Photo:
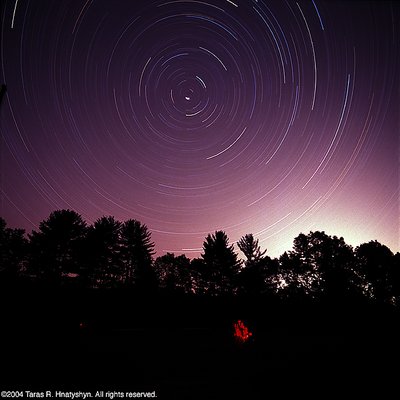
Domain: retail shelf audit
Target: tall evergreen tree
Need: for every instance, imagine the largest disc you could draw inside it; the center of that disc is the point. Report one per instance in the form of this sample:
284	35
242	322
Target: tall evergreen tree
221	262
137	252
56	249
251	249
258	269
103	264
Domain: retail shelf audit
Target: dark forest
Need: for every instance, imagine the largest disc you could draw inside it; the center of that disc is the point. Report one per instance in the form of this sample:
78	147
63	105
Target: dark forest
96	293
67	253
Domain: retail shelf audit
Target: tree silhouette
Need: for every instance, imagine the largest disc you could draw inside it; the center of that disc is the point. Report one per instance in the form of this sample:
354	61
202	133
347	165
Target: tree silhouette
199	276
221	264
103	265
337	269
376	263
174	273
137	252
56	249
259	273
294	277
327	265
250	248
114	254
395	278
13	252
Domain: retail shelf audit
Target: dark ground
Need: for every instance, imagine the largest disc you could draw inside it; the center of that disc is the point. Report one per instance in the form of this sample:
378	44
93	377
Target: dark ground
183	348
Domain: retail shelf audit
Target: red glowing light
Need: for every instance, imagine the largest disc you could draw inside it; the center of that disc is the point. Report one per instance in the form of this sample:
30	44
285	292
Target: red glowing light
241	332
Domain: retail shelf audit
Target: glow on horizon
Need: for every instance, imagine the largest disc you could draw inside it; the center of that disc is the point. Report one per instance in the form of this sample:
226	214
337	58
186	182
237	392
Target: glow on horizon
267	118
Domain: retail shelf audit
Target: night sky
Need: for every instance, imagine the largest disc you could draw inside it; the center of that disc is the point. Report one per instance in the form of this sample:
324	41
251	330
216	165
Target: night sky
263	117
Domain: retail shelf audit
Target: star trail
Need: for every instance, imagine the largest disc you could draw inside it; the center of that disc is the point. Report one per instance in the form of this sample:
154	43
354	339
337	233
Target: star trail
263	117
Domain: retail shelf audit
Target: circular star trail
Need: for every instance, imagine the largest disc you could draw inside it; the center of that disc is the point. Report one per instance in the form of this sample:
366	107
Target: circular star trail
271	118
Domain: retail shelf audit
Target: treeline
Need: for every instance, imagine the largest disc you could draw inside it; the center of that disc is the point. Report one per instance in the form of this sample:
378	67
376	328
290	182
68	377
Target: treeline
65	251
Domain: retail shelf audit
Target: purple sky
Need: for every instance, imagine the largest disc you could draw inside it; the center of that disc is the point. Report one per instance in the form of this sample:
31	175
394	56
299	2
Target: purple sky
263	117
